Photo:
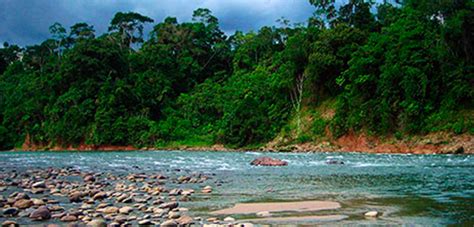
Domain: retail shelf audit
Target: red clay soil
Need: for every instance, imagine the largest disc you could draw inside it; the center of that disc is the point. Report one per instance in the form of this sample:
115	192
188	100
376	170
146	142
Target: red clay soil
29	146
437	143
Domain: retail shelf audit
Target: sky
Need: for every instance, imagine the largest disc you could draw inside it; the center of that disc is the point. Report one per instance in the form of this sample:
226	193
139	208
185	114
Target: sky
26	22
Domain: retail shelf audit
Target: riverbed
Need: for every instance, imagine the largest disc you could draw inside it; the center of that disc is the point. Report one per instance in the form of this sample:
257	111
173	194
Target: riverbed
404	189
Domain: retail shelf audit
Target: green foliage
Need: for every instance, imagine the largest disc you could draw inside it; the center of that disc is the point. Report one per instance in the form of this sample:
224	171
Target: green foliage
404	69
319	126
399	78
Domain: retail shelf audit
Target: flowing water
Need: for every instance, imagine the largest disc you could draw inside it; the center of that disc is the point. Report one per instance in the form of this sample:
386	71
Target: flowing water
407	189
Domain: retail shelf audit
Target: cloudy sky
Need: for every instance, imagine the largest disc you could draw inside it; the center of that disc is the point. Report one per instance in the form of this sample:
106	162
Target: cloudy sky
26	22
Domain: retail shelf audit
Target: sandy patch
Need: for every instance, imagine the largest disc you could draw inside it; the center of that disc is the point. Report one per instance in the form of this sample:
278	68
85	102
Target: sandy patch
306	206
314	218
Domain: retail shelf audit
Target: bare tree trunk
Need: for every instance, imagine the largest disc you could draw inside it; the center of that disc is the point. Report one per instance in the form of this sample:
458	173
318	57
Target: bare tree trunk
296	96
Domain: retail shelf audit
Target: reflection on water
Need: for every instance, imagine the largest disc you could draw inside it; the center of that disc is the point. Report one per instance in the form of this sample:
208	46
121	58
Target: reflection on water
417	189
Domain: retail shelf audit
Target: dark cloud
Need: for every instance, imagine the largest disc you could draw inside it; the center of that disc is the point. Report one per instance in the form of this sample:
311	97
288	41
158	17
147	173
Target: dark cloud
26	22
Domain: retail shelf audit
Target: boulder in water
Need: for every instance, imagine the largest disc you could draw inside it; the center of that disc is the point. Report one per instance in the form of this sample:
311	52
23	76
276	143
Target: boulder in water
42	213
10	211
39	184
267	161
371	214
10	223
23	203
334	162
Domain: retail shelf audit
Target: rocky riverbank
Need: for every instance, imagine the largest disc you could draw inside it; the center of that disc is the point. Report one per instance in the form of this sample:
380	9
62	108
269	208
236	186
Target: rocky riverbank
42	196
435	143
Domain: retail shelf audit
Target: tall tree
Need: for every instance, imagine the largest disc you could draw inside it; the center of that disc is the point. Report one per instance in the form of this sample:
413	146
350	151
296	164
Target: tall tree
60	37
82	31
129	27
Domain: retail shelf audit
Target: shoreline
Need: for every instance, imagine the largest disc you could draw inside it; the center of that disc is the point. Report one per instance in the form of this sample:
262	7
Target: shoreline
461	148
435	143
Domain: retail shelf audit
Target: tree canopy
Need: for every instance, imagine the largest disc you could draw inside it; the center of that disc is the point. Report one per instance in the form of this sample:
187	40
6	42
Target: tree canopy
401	68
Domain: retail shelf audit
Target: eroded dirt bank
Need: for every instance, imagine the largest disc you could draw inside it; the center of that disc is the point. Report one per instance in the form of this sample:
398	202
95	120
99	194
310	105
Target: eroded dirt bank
439	143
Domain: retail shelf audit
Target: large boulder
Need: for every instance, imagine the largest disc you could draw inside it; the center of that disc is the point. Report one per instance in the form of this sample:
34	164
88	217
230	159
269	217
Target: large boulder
334	162
169	205
267	161
40	184
23	203
75	197
42	213
10	211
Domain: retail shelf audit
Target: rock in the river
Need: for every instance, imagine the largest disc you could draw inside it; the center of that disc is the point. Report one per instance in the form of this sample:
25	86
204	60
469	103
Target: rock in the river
264	214
42	213
110	210
145	222
89	178
212	219
185	220
175	192
173	215
121	219
75	197
207	189
18	196
187	192
169	223
10	211
69	218
38	202
9	224
125	210
459	150
97	223
267	161
122	198
23	203
99	196
334	162
114	224
371	214
229	219
169	205
39	184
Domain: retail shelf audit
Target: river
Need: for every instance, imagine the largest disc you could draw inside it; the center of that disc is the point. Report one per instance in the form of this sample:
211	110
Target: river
406	189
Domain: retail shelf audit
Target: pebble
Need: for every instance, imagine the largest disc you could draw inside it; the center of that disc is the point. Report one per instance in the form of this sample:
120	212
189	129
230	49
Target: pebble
97	223
39	184
169	205
23	203
264	214
371	214
169	223
69	218
185	220
114	224
121	219
175	192
125	210
10	211
9	223
38	202
42	213
229	219
207	189
89	178
110	210
99	196
145	222
173	215
75	197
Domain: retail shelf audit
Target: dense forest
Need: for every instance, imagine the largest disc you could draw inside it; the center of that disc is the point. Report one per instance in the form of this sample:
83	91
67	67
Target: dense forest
380	68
